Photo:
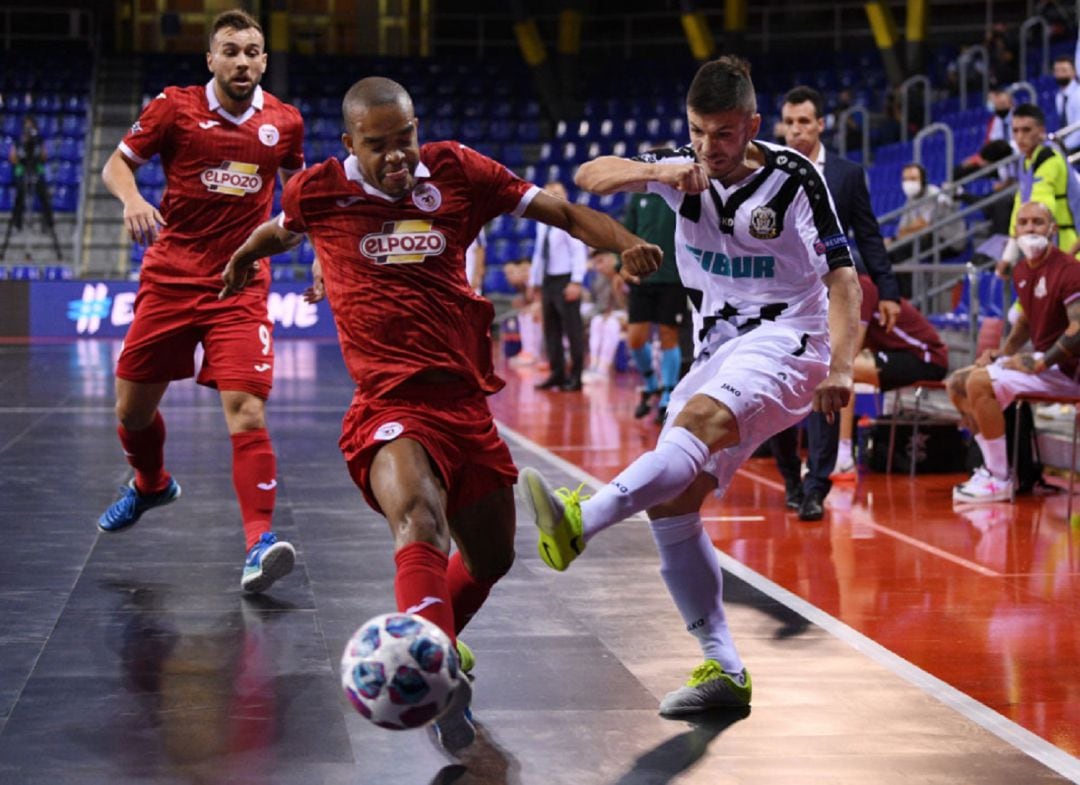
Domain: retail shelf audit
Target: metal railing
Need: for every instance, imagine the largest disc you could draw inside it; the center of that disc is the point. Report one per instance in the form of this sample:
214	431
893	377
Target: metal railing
950	146
962	64
1022	86
1025	27
840	132
905	102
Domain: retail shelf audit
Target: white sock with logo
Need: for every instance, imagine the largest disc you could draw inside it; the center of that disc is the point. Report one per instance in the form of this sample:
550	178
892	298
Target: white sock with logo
995	455
655	477
691	570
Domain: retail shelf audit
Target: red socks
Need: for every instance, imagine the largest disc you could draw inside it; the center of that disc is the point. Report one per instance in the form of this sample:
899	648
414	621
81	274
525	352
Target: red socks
466	592
255	481
420	585
145	451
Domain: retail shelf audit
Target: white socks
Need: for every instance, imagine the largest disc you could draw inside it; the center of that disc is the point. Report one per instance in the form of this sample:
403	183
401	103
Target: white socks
692	573
655	477
995	455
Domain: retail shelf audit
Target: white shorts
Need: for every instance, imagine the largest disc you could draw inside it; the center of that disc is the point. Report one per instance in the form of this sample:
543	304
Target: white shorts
1009	383
767	379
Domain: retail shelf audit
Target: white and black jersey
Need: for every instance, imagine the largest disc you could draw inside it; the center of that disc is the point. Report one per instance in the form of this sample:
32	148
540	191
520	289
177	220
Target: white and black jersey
757	250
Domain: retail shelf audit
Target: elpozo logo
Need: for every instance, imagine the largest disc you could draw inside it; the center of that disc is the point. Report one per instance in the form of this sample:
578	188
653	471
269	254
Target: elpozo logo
233	178
403	242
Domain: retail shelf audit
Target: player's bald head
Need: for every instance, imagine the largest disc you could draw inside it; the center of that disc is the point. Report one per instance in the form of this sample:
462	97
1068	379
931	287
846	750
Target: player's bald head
1035	210
371	92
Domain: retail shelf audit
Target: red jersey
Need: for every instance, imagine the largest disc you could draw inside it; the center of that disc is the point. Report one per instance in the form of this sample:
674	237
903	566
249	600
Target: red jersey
220	172
395	269
912	333
1044	292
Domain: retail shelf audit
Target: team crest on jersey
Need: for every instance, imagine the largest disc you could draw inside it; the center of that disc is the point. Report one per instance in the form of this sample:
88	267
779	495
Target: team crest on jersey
269	135
1040	287
403	242
427	197
234	178
763	223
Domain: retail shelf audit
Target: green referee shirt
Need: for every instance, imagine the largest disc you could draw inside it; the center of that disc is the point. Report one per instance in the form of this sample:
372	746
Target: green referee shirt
649	217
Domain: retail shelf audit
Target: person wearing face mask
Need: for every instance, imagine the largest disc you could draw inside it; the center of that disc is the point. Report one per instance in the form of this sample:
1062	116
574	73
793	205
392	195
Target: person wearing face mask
926	205
1047	285
1044	177
1067	101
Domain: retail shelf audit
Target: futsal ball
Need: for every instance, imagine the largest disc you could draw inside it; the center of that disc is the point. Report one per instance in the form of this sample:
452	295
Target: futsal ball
400	671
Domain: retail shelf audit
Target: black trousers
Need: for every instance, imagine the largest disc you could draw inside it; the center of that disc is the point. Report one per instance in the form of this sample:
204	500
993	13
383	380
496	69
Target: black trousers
562	318
823	442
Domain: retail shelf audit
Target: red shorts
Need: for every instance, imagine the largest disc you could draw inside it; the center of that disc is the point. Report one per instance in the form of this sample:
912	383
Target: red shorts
170	321
451	422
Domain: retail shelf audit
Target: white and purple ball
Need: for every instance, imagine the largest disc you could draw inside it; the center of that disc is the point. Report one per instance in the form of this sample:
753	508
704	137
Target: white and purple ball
400	671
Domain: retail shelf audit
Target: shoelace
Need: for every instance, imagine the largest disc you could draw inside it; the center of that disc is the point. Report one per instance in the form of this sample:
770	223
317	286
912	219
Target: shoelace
125	505
567	496
706	671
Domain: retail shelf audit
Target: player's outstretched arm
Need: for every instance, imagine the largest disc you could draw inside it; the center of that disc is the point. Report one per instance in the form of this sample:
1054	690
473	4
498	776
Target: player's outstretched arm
141	218
267	240
597	230
845	296
610	174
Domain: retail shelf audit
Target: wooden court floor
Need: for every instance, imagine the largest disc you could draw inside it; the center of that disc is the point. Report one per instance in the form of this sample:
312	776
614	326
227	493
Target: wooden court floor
897	641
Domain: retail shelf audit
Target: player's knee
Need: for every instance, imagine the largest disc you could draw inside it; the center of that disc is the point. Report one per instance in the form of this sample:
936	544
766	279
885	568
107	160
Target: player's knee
979	385
132	418
420	520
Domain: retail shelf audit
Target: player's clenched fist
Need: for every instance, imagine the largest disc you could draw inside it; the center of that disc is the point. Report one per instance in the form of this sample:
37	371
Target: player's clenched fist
237	275
689	177
640	260
833	394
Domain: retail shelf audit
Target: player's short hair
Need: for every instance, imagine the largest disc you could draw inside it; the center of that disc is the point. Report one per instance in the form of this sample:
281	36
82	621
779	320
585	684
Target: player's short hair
721	85
802	94
236	19
1032	111
373	91
1067	59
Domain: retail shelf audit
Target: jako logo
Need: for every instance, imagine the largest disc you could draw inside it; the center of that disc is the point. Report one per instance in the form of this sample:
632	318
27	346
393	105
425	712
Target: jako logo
233	178
96	305
403	242
730	389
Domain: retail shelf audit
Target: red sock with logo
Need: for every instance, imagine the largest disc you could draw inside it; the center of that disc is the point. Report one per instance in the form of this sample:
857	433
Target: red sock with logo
467	593
420	585
145	451
255	481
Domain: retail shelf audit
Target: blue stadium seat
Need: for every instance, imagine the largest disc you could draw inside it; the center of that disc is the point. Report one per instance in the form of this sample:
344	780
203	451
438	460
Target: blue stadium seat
65	198
57	272
25	272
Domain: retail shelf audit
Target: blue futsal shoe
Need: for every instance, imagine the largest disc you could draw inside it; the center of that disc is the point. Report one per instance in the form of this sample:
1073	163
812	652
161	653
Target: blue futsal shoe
268	560
127	510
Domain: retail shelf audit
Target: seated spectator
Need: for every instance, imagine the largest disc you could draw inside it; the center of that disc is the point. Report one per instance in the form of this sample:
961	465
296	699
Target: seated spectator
1047	283
607	315
528	314
925	206
911	352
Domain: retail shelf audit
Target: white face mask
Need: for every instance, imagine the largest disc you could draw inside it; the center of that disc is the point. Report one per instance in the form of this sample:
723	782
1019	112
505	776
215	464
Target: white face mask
910	188
1032	245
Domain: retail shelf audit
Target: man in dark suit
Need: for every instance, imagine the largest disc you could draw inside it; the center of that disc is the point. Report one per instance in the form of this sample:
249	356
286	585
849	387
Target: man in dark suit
803	117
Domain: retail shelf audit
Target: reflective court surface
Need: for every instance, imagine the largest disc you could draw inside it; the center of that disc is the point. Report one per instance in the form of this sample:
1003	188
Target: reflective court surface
898	641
